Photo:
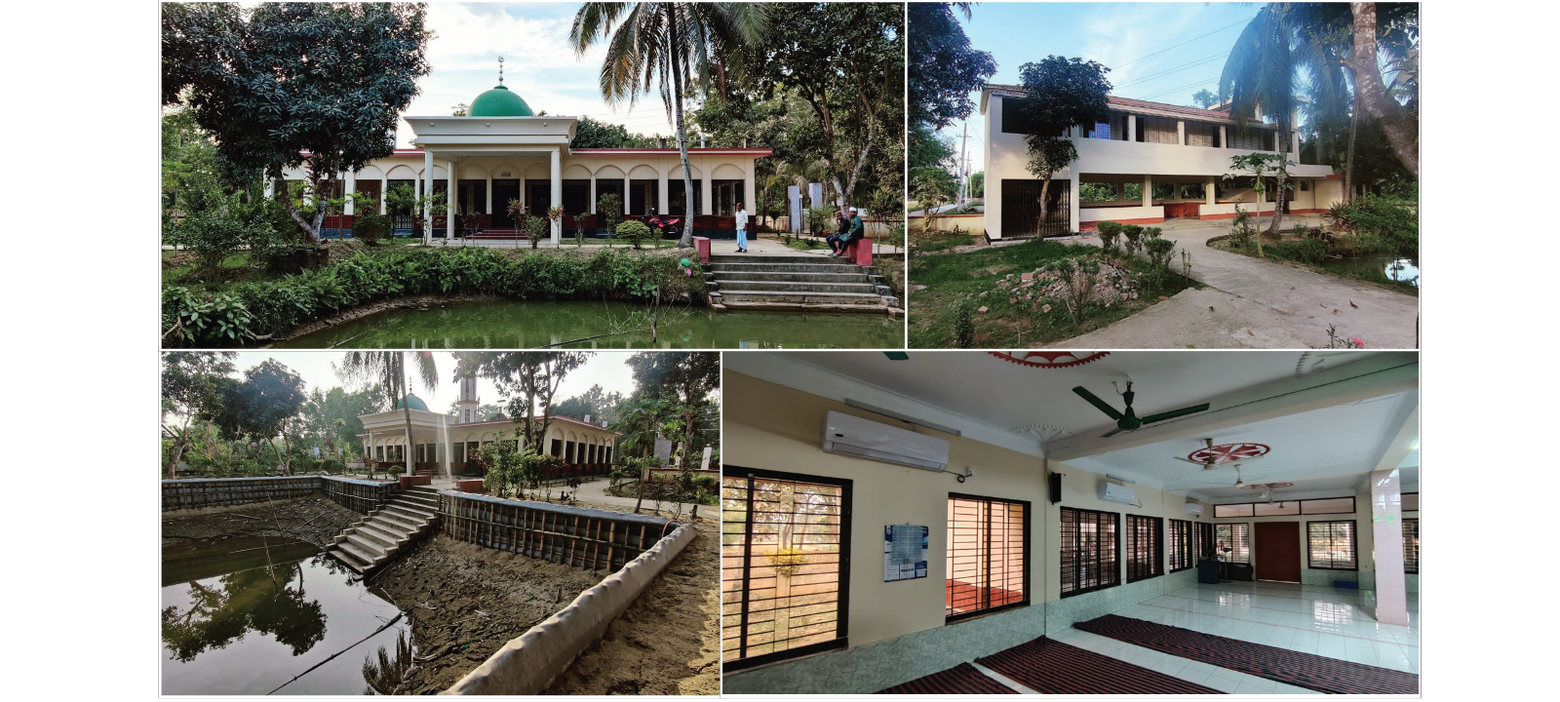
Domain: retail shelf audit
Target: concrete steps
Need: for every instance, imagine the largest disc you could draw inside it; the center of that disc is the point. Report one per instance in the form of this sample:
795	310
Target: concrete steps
796	283
371	542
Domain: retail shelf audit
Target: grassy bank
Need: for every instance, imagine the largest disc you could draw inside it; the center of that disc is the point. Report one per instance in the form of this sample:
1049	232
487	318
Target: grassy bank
1311	255
1017	316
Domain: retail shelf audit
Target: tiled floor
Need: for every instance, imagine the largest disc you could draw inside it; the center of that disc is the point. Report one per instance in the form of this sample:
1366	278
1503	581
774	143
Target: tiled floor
1313	619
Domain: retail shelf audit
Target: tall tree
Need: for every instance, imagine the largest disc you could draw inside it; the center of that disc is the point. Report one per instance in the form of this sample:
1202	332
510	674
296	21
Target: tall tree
331	418
529	380
688	379
596	403
1060	93
1259	78
1399	123
1205	99
846	60
191	389
263	407
388	370
943	68
283	85
670	45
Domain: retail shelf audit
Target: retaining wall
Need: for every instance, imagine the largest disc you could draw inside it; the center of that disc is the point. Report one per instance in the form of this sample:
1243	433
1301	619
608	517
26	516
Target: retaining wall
196	493
528	664
588	538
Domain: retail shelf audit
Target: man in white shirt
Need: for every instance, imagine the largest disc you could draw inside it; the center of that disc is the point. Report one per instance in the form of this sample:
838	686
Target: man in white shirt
742	223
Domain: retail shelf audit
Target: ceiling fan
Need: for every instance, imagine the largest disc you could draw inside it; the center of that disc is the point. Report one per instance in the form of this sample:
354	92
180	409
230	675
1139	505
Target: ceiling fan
1210	463
1212	456
1127	421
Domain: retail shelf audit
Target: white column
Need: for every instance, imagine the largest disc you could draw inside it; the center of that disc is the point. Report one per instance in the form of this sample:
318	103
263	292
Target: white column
705	192
384	189
1386	510
557	194
1209	190
664	201
270	188
593	193
449	199
1075	212
749	194
627	196
1294	143
1132	127
1148	191
489	198
351	188
427	187
1180	132
1224	143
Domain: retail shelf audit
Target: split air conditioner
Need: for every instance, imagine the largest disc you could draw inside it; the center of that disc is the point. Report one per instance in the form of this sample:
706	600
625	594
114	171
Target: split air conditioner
853	436
1194	508
1111	492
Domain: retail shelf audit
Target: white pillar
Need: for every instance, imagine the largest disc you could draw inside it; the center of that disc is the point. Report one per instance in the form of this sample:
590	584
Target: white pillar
557	194
1132	127
351	188
592	193
1148	191
1294	143
489	198
1180	132
1224	143
1075	211
1386	510
663	202
749	194
449	199
1209	190
704	192
384	189
427	181
270	188
627	197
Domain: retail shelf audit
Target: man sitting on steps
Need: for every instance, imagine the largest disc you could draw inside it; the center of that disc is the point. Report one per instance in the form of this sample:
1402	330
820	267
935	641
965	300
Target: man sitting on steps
853	235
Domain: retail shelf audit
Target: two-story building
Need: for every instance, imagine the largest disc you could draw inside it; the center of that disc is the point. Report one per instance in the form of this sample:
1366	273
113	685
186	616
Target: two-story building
1149	163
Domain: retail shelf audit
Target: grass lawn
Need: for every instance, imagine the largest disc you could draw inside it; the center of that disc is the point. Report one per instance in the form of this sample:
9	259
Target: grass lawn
1010	321
806	244
938	240
1368	267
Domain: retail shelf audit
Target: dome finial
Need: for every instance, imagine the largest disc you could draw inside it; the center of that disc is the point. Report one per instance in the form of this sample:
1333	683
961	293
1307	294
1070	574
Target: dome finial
500	70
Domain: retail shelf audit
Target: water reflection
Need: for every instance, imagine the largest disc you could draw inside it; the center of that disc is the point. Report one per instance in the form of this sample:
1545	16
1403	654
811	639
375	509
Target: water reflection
263	600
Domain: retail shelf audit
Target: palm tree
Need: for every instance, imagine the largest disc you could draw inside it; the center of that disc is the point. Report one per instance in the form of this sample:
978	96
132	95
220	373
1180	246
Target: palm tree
669	44
388	369
1260	77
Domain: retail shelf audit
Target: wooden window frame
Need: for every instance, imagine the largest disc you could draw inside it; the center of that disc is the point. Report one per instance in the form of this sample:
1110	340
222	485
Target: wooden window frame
1354	544
1114	565
842	615
1180	543
1205	542
1246	539
949	618
1354	500
1155	528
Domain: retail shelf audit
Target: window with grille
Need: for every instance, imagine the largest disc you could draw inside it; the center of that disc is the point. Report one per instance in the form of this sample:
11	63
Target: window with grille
1236	538
988	555
1180	545
1202	134
1158	130
1145	548
1113	129
785	556
1204	541
1090	551
1411	546
1331	545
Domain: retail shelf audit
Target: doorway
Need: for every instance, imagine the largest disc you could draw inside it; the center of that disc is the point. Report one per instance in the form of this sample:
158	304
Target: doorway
1278	551
503	192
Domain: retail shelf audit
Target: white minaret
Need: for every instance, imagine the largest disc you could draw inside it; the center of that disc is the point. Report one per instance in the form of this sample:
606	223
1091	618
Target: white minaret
466	404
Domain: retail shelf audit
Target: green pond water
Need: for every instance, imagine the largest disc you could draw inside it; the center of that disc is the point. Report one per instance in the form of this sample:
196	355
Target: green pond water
242	616
508	324
1378	268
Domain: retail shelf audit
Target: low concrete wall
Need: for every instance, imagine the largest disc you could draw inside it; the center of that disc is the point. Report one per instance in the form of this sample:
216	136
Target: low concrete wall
588	538
968	223
528	664
359	495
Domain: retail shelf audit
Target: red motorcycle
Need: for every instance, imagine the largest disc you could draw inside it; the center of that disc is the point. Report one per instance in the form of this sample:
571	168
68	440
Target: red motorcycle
670	227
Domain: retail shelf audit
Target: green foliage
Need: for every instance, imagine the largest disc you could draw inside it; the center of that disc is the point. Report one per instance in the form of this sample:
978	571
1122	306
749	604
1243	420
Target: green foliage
1096	192
820	220
215	232
944	70
1242	230
592	134
1382	223
246	310
635	233
536	229
1060	93
1134	236
1160	252
401	200
609	211
370	228
964	324
1110	233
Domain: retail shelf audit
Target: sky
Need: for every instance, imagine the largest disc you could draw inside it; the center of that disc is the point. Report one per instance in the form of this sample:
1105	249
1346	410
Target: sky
607	369
1163	52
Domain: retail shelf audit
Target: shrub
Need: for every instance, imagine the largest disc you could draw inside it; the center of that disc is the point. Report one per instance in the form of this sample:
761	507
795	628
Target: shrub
1134	234
1159	251
1307	250
635	232
1241	228
370	228
1151	233
1109	231
536	229
964	324
1382	223
1078	278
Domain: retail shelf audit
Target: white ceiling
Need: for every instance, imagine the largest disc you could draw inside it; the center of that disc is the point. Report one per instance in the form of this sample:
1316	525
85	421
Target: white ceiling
1323	450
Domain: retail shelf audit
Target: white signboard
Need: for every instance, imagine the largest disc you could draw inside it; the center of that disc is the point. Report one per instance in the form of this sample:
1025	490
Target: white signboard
794	193
904	552
814	194
707	451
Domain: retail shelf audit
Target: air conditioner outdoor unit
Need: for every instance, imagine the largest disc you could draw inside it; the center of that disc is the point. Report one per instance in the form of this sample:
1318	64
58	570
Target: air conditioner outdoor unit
853	436
1194	508
1111	492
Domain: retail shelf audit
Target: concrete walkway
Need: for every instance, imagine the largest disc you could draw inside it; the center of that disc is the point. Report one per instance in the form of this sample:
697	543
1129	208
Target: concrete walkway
1250	303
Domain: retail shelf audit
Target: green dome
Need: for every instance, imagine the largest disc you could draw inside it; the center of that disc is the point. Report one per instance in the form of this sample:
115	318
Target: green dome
499	102
414	401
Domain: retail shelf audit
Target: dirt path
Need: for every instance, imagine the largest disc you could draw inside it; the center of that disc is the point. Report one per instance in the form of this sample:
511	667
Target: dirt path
466	602
668	642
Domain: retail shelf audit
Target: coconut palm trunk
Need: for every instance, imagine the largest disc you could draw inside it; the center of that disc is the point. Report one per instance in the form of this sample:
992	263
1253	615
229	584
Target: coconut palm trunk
1401	128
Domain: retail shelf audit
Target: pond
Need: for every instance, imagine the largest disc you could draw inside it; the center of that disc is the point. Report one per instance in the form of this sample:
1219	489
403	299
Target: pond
1377	268
234	625
521	324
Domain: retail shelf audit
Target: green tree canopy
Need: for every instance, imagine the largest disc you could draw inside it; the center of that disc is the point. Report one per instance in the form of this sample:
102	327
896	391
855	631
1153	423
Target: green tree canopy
600	405
1059	93
593	134
284	85
192	388
529	380
944	69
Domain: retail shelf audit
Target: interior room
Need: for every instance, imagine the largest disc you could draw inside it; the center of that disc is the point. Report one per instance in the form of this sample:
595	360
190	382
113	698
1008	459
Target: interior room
1053	522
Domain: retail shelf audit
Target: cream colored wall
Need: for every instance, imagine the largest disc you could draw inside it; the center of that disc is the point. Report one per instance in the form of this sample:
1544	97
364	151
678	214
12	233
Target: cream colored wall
1080	490
780	429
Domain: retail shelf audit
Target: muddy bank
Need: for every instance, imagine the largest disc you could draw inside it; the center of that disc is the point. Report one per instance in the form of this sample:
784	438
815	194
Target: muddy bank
668	642
373	308
465	602
316	520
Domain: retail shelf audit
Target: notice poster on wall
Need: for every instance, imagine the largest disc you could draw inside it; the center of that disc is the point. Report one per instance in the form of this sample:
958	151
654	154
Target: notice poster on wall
904	552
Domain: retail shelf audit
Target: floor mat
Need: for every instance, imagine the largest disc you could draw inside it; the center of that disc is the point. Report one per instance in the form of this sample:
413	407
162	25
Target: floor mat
1054	668
1306	670
962	679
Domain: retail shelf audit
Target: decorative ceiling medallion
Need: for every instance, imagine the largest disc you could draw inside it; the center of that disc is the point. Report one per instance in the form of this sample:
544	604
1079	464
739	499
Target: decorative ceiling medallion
1224	453
1266	486
1050	359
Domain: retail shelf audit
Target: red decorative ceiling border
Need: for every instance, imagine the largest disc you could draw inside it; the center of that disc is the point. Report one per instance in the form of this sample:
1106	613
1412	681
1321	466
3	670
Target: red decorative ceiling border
1226	453
1051	359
